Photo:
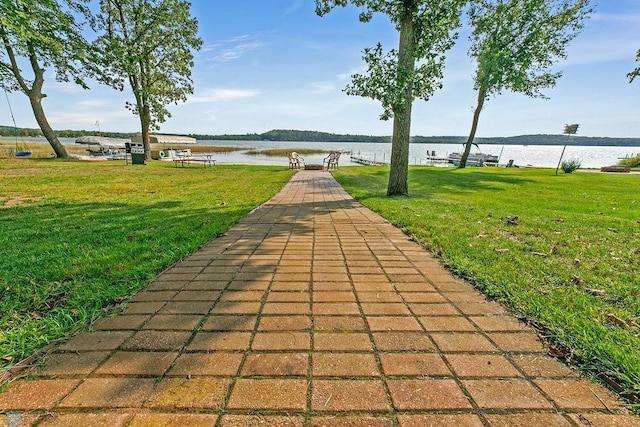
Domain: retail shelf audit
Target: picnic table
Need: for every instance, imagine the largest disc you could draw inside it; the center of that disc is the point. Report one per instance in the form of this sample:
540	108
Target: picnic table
207	160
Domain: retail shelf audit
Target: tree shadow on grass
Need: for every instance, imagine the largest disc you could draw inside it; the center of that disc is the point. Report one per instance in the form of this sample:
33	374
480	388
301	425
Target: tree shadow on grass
426	183
79	245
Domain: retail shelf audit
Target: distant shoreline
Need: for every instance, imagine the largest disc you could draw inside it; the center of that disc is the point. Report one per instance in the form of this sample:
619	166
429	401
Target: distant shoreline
313	136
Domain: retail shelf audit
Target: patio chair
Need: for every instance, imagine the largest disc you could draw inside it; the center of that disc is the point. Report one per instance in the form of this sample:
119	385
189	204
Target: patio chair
295	161
331	161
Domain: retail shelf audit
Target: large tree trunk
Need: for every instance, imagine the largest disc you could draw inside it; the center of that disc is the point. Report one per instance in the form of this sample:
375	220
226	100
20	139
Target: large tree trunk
399	171
47	131
145	121
398	174
482	94
35	98
34	93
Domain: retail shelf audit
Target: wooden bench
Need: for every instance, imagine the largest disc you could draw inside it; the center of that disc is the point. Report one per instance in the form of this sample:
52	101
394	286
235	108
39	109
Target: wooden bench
624	169
313	167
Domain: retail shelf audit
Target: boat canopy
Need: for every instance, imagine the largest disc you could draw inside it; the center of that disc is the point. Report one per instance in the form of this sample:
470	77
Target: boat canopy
103	141
166	139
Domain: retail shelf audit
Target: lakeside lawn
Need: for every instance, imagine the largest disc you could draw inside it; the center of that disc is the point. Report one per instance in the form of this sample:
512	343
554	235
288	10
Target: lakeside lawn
563	252
78	238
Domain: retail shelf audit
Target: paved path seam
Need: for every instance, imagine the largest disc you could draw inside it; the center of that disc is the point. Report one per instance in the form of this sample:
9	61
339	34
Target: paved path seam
311	311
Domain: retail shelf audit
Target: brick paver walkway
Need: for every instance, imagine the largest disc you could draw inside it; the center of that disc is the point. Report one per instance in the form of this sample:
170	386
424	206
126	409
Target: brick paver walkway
312	311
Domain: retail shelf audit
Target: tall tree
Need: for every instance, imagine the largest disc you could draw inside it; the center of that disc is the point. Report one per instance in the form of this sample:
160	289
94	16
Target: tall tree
414	70
42	34
635	73
150	43
515	43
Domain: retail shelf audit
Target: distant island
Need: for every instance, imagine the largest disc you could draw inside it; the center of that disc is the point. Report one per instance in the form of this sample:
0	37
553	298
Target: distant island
289	135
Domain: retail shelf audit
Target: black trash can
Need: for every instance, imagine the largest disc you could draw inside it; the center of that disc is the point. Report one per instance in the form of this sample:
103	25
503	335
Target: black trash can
137	154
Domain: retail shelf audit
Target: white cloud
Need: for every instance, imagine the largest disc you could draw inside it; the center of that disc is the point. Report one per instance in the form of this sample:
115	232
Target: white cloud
109	119
217	94
322	88
92	103
231	49
606	37
294	7
616	18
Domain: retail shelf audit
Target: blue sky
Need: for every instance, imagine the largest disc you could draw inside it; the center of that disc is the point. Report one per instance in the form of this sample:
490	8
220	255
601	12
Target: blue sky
276	65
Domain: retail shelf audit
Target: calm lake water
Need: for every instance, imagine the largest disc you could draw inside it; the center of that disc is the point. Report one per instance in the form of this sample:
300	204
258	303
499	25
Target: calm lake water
522	155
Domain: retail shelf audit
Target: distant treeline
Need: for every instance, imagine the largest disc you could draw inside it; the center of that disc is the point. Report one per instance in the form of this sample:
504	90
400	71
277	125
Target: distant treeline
532	140
295	135
313	136
23	132
37	133
239	137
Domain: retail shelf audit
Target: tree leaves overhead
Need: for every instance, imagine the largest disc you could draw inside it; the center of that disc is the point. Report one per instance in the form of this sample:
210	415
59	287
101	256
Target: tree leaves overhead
516	42
635	73
434	22
397	77
149	43
46	33
43	34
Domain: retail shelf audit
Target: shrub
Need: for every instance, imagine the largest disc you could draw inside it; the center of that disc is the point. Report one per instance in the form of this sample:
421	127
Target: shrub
571	165
633	161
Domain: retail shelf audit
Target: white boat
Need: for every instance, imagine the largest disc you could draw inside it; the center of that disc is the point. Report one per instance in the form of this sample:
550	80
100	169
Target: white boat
104	147
474	159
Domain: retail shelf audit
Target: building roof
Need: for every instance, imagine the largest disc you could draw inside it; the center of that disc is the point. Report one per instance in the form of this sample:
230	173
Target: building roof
166	139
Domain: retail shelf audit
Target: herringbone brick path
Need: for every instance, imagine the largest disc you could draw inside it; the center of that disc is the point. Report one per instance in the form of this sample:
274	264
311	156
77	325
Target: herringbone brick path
312	311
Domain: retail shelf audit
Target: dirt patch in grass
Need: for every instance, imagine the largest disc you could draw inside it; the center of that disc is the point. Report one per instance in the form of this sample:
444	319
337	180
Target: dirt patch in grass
11	202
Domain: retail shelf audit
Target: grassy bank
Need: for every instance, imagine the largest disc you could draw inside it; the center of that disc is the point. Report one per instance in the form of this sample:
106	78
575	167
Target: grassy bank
633	162
562	251
78	237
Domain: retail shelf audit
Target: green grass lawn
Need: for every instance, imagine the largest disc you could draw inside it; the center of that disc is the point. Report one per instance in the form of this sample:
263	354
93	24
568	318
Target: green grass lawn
569	263
78	238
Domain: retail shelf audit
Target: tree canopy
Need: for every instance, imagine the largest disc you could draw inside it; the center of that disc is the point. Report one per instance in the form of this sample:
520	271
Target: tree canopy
44	34
516	43
150	44
414	70
635	73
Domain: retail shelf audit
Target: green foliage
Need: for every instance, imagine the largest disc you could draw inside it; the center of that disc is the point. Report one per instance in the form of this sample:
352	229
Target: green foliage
149	43
22	132
46	32
633	161
516	42
570	263
77	238
414	70
387	77
635	73
571	165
